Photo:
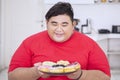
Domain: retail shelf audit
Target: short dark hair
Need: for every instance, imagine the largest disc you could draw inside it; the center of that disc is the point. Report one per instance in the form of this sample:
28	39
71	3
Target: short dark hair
59	9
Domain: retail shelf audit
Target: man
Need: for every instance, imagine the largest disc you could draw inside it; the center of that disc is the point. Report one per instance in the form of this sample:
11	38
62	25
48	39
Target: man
59	42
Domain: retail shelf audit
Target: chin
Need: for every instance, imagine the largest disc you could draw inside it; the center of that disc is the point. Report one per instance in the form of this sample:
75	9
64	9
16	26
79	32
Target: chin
59	39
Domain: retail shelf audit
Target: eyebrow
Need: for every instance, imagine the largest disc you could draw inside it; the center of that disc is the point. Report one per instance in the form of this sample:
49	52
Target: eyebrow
53	22
65	23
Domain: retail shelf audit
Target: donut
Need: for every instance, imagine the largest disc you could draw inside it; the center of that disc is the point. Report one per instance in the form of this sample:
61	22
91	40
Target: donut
48	63
70	68
44	68
56	69
59	67
62	62
77	66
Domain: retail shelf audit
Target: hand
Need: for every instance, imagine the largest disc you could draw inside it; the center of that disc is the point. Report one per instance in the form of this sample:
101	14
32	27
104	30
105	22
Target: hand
43	75
74	75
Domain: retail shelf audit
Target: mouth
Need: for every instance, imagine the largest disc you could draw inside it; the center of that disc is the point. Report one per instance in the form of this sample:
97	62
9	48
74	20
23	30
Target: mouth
59	35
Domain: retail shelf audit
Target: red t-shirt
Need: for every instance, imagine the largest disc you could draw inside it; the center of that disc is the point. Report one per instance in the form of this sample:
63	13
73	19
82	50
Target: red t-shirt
80	48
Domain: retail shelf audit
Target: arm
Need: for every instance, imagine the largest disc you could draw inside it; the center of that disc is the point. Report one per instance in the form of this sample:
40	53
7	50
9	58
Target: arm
94	75
25	74
89	75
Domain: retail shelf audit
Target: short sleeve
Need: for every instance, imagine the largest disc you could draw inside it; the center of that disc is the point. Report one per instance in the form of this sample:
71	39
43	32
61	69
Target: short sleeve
98	60
21	57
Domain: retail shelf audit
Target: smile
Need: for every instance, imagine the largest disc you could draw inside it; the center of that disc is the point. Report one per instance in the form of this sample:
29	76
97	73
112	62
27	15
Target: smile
58	35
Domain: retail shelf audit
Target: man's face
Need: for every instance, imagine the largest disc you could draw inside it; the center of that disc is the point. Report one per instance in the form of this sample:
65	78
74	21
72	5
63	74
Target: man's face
60	28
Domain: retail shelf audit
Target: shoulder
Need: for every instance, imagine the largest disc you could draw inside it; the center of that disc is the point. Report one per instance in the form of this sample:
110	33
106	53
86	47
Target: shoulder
36	37
82	36
84	40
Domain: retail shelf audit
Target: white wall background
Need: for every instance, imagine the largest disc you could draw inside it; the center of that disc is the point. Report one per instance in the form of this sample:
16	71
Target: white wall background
102	15
0	32
20	19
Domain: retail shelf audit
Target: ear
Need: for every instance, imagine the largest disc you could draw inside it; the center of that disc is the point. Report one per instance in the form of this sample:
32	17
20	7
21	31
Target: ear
46	23
74	23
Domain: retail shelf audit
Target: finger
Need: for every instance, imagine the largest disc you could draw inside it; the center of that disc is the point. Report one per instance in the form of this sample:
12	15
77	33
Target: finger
37	64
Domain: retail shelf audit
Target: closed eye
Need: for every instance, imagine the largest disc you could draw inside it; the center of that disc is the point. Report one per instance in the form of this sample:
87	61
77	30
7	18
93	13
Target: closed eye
54	23
64	24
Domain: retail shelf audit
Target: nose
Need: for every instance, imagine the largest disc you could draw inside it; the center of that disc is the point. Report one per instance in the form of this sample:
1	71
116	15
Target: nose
59	28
